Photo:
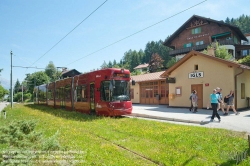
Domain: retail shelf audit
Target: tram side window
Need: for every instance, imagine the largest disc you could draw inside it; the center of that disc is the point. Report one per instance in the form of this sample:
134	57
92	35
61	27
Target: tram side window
67	92
82	94
105	93
57	93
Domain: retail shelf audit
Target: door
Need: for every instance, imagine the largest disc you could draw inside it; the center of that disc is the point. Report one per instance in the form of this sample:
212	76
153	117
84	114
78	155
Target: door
199	89
92	98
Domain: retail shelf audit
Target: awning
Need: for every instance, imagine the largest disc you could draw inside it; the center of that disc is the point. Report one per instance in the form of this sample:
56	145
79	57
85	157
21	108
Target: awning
221	34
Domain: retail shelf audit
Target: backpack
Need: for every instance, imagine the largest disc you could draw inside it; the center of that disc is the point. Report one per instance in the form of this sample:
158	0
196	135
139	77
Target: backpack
226	99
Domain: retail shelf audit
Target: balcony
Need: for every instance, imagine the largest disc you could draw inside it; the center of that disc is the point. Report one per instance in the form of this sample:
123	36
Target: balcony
199	47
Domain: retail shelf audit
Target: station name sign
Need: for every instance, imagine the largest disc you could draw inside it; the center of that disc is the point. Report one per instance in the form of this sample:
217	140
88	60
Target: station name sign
196	74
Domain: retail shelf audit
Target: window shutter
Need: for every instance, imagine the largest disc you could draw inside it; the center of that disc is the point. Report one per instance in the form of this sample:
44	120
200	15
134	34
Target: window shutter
193	31
185	45
199	30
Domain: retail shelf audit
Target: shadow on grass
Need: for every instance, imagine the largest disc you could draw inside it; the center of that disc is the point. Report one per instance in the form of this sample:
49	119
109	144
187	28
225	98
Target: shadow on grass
188	161
70	115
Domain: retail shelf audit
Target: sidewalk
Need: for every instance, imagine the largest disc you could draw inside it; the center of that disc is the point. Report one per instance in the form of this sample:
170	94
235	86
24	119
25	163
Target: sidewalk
202	117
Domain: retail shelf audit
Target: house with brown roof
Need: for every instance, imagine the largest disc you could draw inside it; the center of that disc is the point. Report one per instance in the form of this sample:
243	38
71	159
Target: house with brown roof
142	67
149	88
197	33
203	73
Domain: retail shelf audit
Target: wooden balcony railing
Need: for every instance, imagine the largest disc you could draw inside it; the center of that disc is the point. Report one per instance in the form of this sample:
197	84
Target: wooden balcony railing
199	47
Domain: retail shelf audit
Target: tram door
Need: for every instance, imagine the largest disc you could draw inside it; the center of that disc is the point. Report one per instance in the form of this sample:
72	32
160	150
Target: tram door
62	97
92	98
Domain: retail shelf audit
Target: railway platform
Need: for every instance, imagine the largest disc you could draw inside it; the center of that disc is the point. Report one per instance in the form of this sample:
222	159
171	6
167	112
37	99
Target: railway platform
234	122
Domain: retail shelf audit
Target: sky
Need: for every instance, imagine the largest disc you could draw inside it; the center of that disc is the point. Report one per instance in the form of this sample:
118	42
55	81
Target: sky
75	35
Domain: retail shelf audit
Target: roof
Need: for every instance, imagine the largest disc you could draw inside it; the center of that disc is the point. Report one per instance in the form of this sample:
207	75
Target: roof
141	66
148	77
70	73
196	53
167	42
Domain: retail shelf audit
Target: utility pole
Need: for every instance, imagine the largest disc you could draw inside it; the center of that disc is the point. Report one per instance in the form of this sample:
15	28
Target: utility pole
11	89
22	92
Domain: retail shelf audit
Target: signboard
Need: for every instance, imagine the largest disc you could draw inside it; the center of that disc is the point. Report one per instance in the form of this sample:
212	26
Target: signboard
170	80
196	74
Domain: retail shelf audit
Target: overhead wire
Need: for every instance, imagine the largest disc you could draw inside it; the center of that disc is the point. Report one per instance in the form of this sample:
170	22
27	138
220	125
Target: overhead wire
69	32
136	32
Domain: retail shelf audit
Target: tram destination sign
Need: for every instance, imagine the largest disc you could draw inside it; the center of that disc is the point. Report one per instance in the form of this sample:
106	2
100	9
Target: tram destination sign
196	74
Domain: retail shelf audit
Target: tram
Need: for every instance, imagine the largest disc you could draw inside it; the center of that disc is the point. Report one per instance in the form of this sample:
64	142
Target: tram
103	92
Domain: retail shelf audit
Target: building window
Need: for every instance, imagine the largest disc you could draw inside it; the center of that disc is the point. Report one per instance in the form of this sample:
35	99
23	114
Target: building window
188	45
243	91
199	43
195	67
196	30
244	52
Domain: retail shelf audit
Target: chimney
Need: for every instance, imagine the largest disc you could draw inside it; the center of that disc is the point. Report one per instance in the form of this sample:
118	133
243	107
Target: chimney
210	51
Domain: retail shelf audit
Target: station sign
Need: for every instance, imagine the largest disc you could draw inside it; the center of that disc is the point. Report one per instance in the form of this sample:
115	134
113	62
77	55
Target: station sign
196	74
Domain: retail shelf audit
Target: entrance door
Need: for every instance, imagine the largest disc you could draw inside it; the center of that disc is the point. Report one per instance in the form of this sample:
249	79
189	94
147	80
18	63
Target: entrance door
199	89
92	98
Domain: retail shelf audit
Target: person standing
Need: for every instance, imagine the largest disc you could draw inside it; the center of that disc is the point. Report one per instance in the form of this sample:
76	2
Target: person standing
214	99
194	101
190	98
230	102
220	104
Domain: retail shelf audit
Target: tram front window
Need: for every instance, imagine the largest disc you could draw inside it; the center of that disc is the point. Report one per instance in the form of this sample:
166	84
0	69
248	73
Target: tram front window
115	90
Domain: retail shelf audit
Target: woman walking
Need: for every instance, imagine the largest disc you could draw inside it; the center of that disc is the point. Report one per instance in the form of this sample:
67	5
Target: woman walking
230	102
214	98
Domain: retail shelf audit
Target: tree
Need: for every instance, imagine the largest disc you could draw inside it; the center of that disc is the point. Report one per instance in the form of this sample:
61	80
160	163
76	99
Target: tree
220	51
35	79
243	22
156	63
171	62
17	86
245	60
3	92
104	65
52	72
110	65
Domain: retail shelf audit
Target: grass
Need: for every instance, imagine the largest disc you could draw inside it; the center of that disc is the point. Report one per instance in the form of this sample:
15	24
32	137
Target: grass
131	141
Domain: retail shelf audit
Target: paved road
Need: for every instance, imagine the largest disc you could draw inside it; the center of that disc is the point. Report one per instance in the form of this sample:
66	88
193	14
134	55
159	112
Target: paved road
234	122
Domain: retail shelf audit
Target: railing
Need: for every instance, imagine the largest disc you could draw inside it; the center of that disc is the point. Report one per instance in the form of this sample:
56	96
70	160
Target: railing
199	47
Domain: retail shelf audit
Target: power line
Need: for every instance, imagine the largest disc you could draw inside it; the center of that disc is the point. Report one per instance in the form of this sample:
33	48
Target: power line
136	32
70	32
28	67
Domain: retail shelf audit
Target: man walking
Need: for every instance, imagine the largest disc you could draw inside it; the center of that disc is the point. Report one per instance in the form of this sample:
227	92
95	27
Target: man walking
220	102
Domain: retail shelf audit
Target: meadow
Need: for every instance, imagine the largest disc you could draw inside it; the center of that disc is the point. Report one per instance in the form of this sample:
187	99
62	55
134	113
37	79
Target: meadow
92	140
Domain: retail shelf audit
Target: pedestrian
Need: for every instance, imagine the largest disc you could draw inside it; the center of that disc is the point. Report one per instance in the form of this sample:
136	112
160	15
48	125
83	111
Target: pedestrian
220	104
190	98
214	98
230	102
194	101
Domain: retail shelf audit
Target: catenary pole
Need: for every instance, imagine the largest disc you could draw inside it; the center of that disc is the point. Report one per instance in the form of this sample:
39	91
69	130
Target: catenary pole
11	89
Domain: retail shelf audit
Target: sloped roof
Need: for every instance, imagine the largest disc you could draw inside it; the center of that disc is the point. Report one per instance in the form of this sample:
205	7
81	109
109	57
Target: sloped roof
148	77
195	53
183	27
141	66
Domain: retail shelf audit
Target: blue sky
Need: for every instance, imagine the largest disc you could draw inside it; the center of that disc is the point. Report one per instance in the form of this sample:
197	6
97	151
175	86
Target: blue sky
30	28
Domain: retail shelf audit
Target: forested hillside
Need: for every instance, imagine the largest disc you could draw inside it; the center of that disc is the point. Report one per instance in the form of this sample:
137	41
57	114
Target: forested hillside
243	22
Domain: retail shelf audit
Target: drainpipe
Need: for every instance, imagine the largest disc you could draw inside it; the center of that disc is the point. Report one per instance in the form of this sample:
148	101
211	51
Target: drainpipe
235	83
